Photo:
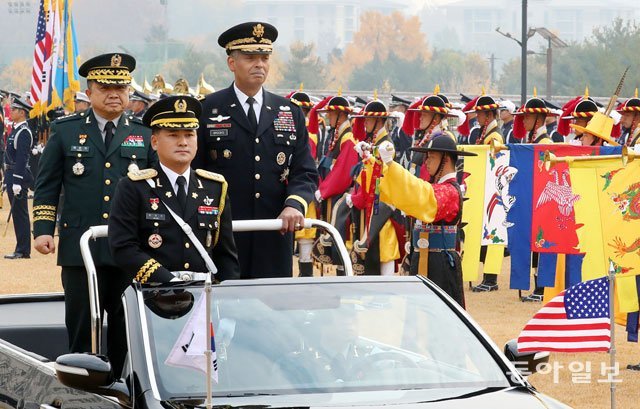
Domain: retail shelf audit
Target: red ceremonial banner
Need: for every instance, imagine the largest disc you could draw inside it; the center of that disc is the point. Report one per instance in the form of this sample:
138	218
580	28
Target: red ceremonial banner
553	224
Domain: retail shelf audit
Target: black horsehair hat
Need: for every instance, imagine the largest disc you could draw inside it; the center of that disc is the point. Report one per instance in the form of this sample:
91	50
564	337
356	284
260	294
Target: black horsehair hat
442	143
301	99
174	112
249	38
373	109
112	68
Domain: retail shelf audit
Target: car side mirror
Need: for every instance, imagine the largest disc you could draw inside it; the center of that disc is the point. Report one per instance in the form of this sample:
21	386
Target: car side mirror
527	363
90	373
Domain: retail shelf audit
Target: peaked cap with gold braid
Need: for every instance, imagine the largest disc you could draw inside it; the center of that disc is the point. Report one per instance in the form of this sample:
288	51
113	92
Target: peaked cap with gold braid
112	68
174	112
249	38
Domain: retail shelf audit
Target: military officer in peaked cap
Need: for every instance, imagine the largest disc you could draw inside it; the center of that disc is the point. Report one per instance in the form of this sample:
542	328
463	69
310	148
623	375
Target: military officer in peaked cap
18	176
146	241
86	154
139	103
258	141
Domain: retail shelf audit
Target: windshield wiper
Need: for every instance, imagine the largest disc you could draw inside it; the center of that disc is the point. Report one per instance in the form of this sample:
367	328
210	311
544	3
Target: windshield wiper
245	394
470	394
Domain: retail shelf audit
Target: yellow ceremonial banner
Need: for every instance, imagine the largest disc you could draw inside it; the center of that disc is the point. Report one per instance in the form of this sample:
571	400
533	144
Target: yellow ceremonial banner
609	209
472	209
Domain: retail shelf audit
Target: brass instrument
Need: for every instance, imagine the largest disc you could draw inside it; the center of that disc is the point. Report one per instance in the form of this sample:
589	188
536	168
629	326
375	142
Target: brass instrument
626	156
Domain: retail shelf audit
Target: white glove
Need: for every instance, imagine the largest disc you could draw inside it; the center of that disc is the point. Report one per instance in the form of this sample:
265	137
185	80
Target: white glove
318	195
387	152
176	279
347	199
364	149
40	147
35	151
16	189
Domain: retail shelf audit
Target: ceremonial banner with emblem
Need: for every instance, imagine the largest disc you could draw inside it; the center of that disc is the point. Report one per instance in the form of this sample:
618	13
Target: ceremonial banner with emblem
609	208
472	209
497	202
553	228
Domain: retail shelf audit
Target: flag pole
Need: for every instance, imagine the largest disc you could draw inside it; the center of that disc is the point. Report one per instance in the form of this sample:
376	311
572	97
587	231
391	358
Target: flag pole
612	349
208	352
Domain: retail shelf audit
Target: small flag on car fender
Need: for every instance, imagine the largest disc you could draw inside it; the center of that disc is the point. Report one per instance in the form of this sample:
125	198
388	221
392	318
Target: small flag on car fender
189	349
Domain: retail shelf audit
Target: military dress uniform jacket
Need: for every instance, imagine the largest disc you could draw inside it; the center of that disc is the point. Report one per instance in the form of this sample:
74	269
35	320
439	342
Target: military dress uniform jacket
16	156
75	159
266	171
148	243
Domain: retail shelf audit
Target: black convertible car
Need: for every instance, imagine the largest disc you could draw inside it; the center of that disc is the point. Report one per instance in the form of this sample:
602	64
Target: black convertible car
357	342
313	342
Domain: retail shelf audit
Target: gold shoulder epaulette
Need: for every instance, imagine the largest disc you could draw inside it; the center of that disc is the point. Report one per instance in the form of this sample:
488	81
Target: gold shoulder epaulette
210	175
142	174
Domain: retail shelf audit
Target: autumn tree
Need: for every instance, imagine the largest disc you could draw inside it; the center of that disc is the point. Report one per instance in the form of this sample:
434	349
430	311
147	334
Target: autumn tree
378	37
304	66
16	76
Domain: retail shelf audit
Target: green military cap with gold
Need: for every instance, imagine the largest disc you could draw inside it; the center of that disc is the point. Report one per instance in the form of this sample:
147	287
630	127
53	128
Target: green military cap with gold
250	38
174	112
112	68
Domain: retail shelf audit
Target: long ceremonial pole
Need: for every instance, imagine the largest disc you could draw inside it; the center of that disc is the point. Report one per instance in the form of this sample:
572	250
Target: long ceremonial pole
208	352
612	349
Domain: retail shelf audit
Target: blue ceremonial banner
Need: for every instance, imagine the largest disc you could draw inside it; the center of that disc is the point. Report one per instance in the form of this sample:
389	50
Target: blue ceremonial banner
65	65
520	215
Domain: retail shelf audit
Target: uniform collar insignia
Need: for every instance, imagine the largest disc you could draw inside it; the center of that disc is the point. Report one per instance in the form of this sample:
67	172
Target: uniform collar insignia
284	108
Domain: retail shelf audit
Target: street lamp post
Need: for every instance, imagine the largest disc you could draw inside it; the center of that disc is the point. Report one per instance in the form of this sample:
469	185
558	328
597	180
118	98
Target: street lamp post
555	41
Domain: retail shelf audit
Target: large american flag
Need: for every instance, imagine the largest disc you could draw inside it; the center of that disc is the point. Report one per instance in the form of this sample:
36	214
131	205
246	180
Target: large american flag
576	320
41	72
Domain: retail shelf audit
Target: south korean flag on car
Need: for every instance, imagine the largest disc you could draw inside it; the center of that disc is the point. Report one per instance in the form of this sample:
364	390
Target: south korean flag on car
189	349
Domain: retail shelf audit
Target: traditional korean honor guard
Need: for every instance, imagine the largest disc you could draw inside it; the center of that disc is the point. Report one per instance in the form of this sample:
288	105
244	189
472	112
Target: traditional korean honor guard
86	154
258	141
486	110
630	111
146	239
437	203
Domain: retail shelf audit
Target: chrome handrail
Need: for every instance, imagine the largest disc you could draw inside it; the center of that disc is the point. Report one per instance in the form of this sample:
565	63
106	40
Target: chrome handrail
276	224
94	233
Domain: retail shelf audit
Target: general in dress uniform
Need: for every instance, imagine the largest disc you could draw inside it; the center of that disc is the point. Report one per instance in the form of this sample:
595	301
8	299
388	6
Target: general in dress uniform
18	176
258	141
145	240
438	204
86	154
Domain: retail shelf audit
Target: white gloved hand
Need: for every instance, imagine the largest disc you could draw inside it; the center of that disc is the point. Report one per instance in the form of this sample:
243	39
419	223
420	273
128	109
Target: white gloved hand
176	279
318	195
35	151
347	199
16	189
386	151
40	147
364	149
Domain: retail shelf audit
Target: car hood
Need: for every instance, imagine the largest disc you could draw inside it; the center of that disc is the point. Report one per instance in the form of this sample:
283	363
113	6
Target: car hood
516	397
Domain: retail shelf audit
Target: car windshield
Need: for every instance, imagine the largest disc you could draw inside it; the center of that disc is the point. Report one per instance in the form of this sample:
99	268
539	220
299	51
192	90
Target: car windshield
325	336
